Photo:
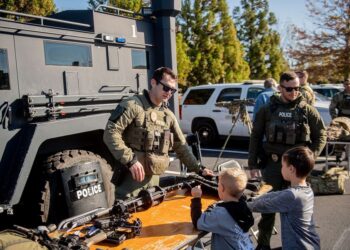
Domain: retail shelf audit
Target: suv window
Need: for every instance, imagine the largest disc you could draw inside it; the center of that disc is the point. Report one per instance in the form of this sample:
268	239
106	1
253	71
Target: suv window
4	70
229	94
198	96
253	92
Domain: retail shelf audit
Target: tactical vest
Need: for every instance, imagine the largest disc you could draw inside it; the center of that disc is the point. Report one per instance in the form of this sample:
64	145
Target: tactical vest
344	105
149	136
286	127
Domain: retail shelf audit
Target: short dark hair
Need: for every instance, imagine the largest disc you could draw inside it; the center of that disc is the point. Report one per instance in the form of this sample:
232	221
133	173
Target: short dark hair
270	83
288	76
158	73
302	158
302	73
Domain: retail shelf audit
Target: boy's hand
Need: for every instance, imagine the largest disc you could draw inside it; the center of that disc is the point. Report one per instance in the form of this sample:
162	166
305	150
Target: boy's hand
196	191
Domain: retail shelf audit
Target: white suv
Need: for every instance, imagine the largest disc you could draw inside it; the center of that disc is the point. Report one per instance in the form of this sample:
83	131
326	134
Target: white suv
198	112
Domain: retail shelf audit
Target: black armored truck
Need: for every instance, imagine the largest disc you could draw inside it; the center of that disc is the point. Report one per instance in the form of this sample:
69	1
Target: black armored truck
60	77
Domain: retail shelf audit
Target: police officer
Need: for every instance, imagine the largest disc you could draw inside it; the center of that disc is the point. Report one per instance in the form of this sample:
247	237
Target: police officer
305	88
340	104
285	122
141	131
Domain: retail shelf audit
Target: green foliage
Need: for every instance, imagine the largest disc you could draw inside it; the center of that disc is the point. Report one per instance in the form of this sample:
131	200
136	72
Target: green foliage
133	5
324	51
261	43
34	7
214	49
236	68
183	61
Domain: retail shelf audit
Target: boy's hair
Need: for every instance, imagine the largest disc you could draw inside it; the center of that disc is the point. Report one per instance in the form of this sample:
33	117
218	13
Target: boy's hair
288	76
302	158
234	180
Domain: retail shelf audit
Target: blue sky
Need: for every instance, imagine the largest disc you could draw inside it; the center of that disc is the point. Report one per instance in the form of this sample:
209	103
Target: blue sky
287	12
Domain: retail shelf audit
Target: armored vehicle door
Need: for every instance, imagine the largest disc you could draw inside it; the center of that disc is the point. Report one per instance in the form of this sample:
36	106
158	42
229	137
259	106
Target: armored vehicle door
8	84
8	71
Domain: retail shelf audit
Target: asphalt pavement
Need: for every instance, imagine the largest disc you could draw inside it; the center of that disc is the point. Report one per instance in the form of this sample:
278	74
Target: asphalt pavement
330	211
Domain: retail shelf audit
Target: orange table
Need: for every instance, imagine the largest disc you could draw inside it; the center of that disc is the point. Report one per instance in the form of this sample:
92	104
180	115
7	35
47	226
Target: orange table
166	226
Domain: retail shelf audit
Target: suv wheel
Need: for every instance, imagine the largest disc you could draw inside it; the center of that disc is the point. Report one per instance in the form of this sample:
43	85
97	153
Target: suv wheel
207	132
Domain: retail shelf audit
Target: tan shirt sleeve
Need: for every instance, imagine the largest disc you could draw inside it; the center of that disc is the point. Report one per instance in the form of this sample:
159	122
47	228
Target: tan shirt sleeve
113	134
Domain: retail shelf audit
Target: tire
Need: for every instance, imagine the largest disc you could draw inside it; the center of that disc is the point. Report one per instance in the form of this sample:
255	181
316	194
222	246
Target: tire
207	133
50	206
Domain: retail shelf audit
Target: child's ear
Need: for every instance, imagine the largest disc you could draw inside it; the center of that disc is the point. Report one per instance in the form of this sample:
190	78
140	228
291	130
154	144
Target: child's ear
293	169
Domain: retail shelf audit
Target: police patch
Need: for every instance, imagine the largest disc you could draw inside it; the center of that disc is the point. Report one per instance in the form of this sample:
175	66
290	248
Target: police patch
116	113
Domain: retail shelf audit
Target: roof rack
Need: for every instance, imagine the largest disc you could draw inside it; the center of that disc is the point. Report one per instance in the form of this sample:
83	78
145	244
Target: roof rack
42	19
116	11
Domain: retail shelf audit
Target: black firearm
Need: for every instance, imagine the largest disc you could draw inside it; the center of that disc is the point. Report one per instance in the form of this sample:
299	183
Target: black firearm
40	235
145	199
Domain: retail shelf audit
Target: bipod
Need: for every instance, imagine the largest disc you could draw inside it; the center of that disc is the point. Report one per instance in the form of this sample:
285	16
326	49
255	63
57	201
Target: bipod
242	114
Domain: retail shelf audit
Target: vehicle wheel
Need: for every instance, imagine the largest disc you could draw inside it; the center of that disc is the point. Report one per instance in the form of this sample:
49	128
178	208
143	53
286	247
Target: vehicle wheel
51	206
207	132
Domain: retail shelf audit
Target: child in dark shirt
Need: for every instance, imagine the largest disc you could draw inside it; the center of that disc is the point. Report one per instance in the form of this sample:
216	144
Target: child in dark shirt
228	220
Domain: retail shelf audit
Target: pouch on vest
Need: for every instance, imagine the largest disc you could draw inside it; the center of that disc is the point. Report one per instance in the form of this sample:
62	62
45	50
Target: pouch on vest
165	142
271	132
149	141
305	133
156	164
290	134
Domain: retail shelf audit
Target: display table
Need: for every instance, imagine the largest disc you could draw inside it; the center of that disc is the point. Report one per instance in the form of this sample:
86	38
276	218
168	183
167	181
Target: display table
166	226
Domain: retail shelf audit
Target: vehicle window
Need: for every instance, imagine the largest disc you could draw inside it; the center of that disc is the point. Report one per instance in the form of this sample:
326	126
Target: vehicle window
253	92
198	96
64	54
229	94
139	59
4	70
321	97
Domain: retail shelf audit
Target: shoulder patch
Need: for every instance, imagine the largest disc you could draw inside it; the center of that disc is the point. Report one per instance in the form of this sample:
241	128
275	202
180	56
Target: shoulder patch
116	113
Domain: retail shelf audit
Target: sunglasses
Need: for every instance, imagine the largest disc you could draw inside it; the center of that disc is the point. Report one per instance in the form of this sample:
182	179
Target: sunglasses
167	88
290	89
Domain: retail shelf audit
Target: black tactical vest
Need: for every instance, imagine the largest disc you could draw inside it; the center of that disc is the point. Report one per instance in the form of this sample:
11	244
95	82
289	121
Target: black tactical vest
344	105
286	127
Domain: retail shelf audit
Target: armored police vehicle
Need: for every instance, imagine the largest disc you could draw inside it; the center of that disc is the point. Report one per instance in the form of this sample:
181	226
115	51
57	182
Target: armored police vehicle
60	77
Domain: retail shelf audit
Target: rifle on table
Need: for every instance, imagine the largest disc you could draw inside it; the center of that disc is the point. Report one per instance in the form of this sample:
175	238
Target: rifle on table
114	223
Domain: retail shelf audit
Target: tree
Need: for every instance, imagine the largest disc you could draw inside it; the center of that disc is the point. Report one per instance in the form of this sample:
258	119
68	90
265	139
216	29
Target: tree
133	5
34	7
236	68
325	51
214	49
260	41
183	61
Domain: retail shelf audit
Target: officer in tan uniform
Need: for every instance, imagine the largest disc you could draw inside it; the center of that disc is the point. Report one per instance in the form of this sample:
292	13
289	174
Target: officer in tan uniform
340	104
285	122
141	131
305	88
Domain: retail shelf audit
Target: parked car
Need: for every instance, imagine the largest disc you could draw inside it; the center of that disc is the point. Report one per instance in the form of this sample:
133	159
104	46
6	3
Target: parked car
328	90
198	112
